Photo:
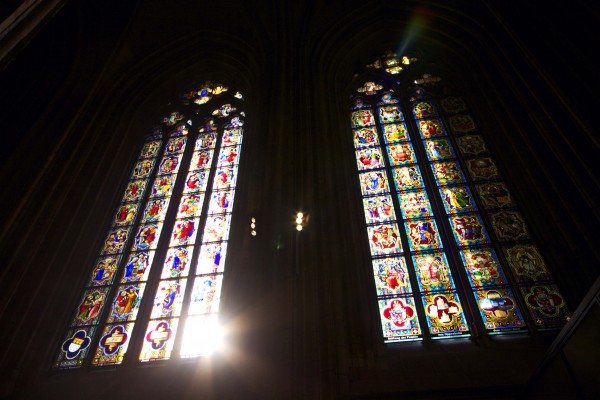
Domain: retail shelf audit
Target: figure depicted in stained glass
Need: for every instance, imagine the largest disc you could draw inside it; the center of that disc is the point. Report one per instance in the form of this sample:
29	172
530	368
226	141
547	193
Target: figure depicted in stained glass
142	169
136	266
228	155
378	209
224	177
177	260
126	302
394	133
414	205
407	178
170	295
146	237
189	206
175	145
365	137
90	307
232	137
155	209
509	225
432	270
457	199
169	164
389	114
77	343
442	309
384	239
369	88
526	262
196	181
422	234
362	118
162	185
125	214
468	229
447	173
430	128
391	275
134	190
220	202
172	119
215	229
183	232
206	141
453	104
205	295
483	267
373	182
369	159
105	270
438	149
401	154
471	145
201	159
482	168
211	258
424	109
462	123
494	195
546	302
150	149
115	241
497	305
399	313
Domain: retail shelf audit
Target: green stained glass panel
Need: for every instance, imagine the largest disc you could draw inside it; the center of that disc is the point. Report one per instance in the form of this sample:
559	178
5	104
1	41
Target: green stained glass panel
438	149
457	199
483	267
378	209
526	263
415	204
471	145
482	169
89	309
447	172
494	195
433	272
373	183
126	304
462	123
407	178
384	239
391	276
362	118
395	133
369	158
365	137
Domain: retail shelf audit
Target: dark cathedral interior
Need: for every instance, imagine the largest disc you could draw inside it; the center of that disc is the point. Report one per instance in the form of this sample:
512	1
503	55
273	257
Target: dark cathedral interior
83	83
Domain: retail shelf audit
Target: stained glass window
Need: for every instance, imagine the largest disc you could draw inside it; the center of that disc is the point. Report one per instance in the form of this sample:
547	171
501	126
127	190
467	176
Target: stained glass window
447	243
170	227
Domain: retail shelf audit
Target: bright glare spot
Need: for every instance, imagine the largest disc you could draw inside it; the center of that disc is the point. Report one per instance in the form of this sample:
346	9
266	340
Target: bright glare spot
298	228
300	215
253	220
253	225
202	336
253	233
298	220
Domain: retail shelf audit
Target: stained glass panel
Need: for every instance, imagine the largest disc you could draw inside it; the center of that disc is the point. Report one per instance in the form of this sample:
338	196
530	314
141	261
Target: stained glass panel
399	319
444	314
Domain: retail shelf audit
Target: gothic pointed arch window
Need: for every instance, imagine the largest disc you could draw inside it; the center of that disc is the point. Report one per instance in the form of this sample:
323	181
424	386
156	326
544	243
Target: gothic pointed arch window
154	289
451	253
